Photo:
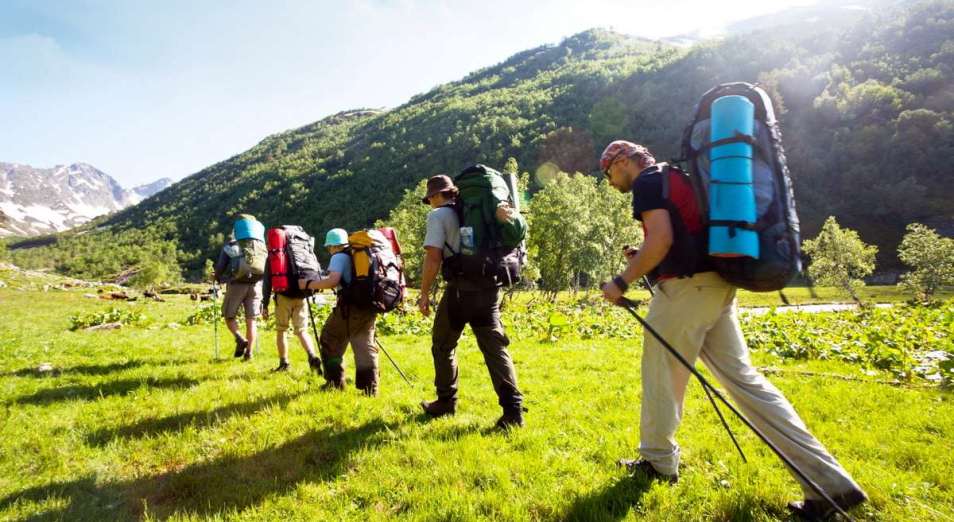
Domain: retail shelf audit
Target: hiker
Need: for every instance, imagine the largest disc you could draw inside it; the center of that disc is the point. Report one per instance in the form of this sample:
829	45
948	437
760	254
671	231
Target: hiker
347	323
696	311
291	305
467	299
241	266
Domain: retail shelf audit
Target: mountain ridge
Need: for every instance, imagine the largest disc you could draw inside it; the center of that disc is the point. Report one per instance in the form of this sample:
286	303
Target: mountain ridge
36	201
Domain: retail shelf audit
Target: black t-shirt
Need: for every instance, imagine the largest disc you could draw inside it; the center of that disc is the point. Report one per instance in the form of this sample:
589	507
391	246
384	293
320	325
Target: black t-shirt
687	255
648	192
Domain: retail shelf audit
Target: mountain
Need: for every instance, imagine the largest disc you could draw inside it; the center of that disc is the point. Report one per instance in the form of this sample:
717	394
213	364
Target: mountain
40	201
866	106
141	192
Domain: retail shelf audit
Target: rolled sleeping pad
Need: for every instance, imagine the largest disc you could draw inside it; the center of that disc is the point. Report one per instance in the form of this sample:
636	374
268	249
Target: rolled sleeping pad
279	262
249	229
731	193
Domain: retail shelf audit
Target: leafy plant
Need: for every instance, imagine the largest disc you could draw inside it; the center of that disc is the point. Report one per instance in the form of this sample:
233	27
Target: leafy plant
114	314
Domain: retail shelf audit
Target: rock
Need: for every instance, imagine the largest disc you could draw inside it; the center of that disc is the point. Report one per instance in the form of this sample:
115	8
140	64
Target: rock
45	368
90	296
105	326
3	284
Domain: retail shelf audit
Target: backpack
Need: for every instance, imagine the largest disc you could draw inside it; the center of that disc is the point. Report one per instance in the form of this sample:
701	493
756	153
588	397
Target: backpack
377	271
752	230
291	256
246	261
490	252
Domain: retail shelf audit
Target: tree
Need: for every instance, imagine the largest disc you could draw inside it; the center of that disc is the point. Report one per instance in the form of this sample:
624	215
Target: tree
409	219
578	227
840	258
930	256
153	274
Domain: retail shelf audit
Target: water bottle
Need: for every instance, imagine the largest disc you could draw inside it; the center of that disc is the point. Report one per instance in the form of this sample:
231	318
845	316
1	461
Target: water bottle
467	240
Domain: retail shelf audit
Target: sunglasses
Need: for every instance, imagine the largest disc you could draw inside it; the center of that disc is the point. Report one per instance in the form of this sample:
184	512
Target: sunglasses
606	173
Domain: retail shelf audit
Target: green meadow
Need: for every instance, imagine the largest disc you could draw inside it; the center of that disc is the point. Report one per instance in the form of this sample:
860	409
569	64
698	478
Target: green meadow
144	423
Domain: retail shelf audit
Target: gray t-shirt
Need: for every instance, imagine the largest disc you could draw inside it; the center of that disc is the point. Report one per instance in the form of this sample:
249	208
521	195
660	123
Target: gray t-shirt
443	227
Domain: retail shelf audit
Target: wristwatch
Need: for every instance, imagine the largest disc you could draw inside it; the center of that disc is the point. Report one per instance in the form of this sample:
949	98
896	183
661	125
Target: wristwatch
620	283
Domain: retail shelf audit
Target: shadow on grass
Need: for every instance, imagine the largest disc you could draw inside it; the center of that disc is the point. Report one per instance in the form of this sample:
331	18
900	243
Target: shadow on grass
95	369
213	489
88	392
611	503
199	419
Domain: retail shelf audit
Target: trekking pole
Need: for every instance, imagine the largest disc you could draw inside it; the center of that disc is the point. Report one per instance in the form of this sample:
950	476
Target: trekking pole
314	330
396	367
215	318
630	306
648	286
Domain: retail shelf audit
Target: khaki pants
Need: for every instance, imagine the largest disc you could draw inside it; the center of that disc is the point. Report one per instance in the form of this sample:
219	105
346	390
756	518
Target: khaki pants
293	310
349	324
698	317
242	295
480	309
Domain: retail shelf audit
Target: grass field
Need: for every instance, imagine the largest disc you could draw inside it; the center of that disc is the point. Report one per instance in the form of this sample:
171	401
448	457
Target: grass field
143	423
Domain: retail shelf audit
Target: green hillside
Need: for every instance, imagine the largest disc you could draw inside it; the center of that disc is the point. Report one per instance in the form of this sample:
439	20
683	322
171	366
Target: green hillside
866	105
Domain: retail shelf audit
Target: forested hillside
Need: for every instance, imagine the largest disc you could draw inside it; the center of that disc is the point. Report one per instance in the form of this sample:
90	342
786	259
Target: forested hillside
866	104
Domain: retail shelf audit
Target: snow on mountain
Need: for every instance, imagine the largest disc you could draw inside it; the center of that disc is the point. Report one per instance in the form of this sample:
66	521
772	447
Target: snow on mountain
41	201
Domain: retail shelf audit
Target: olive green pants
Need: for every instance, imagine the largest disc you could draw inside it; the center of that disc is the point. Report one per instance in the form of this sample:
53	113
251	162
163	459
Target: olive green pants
481	310
349	324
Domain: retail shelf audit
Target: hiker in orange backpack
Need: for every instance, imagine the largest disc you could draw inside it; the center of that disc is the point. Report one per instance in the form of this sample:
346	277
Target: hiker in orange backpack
347	323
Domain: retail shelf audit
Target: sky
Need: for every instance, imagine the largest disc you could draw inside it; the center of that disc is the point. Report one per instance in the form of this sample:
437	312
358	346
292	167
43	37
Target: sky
148	89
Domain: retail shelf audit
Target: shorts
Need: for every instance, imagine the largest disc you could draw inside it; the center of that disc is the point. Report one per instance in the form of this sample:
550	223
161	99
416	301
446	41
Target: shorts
248	295
290	308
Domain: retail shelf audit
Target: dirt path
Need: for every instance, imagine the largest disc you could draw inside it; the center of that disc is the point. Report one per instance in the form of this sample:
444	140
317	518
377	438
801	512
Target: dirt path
811	308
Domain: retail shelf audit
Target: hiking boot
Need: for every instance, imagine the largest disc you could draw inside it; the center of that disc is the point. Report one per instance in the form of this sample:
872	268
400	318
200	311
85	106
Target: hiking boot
820	509
366	380
440	407
248	353
333	385
646	468
509	420
240	346
283	366
315	363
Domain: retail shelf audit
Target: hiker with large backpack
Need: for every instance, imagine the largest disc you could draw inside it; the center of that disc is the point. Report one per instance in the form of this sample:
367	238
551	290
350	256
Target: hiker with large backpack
474	239
694	308
291	256
353	318
241	266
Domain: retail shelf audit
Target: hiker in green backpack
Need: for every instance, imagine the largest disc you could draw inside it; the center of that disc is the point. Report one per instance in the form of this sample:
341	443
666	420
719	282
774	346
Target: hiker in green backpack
241	266
468	299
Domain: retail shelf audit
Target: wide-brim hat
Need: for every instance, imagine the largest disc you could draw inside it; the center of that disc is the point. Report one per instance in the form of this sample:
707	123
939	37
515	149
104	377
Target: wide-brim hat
436	185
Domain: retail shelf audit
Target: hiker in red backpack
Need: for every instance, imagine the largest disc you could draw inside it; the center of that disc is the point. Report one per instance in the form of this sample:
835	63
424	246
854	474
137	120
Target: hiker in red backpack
346	324
291	303
695	310
241	265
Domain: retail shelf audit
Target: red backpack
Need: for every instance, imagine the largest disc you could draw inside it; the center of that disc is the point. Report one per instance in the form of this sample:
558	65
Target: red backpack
291	256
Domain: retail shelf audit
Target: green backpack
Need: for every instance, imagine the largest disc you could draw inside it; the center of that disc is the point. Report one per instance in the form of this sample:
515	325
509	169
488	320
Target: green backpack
490	251
246	261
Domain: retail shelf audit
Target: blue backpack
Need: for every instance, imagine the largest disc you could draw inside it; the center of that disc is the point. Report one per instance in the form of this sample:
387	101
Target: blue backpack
775	257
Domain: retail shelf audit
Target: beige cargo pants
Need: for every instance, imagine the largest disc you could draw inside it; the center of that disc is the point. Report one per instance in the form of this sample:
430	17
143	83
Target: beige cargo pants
698	317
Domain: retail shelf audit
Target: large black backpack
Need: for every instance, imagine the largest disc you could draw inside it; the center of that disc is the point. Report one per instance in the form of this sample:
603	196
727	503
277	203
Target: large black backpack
292	257
490	252
776	221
